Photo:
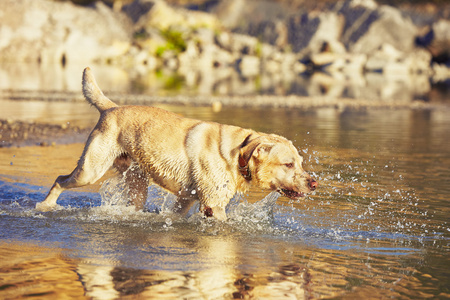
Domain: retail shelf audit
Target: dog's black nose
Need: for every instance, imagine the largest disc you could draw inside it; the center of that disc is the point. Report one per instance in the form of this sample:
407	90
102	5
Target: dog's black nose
313	184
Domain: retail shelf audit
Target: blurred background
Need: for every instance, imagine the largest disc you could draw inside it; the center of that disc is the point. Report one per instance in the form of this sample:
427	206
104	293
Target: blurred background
366	86
359	49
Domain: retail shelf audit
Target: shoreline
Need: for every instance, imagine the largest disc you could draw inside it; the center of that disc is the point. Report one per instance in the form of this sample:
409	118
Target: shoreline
245	101
20	132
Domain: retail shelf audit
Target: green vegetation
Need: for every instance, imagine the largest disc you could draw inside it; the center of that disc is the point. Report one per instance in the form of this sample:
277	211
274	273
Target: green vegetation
175	42
172	82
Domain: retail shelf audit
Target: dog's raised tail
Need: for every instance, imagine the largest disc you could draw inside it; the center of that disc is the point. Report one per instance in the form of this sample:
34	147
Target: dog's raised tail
93	94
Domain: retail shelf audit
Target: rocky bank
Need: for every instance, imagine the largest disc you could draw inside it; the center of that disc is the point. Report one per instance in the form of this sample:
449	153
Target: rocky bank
234	42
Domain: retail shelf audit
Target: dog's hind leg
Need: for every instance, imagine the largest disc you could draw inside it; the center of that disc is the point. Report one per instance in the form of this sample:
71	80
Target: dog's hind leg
98	156
135	179
137	184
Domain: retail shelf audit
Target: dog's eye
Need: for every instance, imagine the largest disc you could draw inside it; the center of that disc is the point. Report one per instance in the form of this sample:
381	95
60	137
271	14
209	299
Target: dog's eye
289	165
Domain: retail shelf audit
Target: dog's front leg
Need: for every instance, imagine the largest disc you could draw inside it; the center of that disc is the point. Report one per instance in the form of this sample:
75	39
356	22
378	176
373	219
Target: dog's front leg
216	212
215	197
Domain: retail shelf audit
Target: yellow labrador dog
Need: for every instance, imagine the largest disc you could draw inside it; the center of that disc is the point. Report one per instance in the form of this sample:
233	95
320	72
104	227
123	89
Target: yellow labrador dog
195	160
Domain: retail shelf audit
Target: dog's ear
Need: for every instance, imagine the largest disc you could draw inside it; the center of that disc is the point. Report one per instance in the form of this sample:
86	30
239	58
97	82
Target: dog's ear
256	148
246	152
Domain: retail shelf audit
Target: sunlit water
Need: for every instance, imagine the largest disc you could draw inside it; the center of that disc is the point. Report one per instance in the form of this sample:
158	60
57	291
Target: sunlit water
377	227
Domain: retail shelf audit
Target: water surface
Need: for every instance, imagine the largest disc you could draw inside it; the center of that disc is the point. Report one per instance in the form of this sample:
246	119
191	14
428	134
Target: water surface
377	226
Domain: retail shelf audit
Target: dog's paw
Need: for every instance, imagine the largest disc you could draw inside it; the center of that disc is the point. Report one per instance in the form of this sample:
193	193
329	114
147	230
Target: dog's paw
43	207
216	212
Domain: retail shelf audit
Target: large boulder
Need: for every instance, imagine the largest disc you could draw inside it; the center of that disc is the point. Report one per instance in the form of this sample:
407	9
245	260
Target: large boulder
60	32
362	26
150	14
384	25
390	61
437	41
308	32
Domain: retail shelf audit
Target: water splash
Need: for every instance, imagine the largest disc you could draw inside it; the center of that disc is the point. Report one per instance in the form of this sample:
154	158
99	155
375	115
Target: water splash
340	219
260	211
115	198
114	191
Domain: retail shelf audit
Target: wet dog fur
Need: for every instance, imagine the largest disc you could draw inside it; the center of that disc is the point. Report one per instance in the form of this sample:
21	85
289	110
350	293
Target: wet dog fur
195	160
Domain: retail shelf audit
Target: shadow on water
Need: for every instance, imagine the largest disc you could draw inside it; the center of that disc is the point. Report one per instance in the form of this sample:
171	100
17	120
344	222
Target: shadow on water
378	224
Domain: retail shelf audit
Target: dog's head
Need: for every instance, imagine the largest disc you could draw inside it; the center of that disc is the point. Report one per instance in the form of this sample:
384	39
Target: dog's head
272	162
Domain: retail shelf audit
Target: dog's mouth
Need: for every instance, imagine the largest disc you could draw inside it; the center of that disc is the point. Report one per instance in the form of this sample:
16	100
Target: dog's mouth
291	194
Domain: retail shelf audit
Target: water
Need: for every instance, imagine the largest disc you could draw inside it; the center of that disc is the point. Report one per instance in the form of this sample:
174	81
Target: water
377	227
23	79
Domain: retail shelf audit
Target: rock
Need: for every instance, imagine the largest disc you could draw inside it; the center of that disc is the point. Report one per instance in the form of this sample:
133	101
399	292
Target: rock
248	66
223	40
272	67
358	16
419	61
138	9
261	18
243	44
301	29
437	41
270	31
386	54
299	67
358	26
60	32
204	36
288	61
148	14
385	25
390	61
188	57
441	73
229	12
441	31
170	60
216	106
328	34
346	40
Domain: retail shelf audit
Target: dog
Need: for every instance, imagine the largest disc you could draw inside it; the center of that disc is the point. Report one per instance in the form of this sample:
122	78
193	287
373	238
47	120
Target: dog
195	160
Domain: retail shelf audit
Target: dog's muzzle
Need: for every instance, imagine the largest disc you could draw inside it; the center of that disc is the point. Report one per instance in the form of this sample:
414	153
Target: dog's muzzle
291	194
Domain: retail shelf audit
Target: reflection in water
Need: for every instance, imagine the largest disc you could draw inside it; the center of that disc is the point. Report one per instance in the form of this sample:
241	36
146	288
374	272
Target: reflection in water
370	86
312	273
376	227
31	271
